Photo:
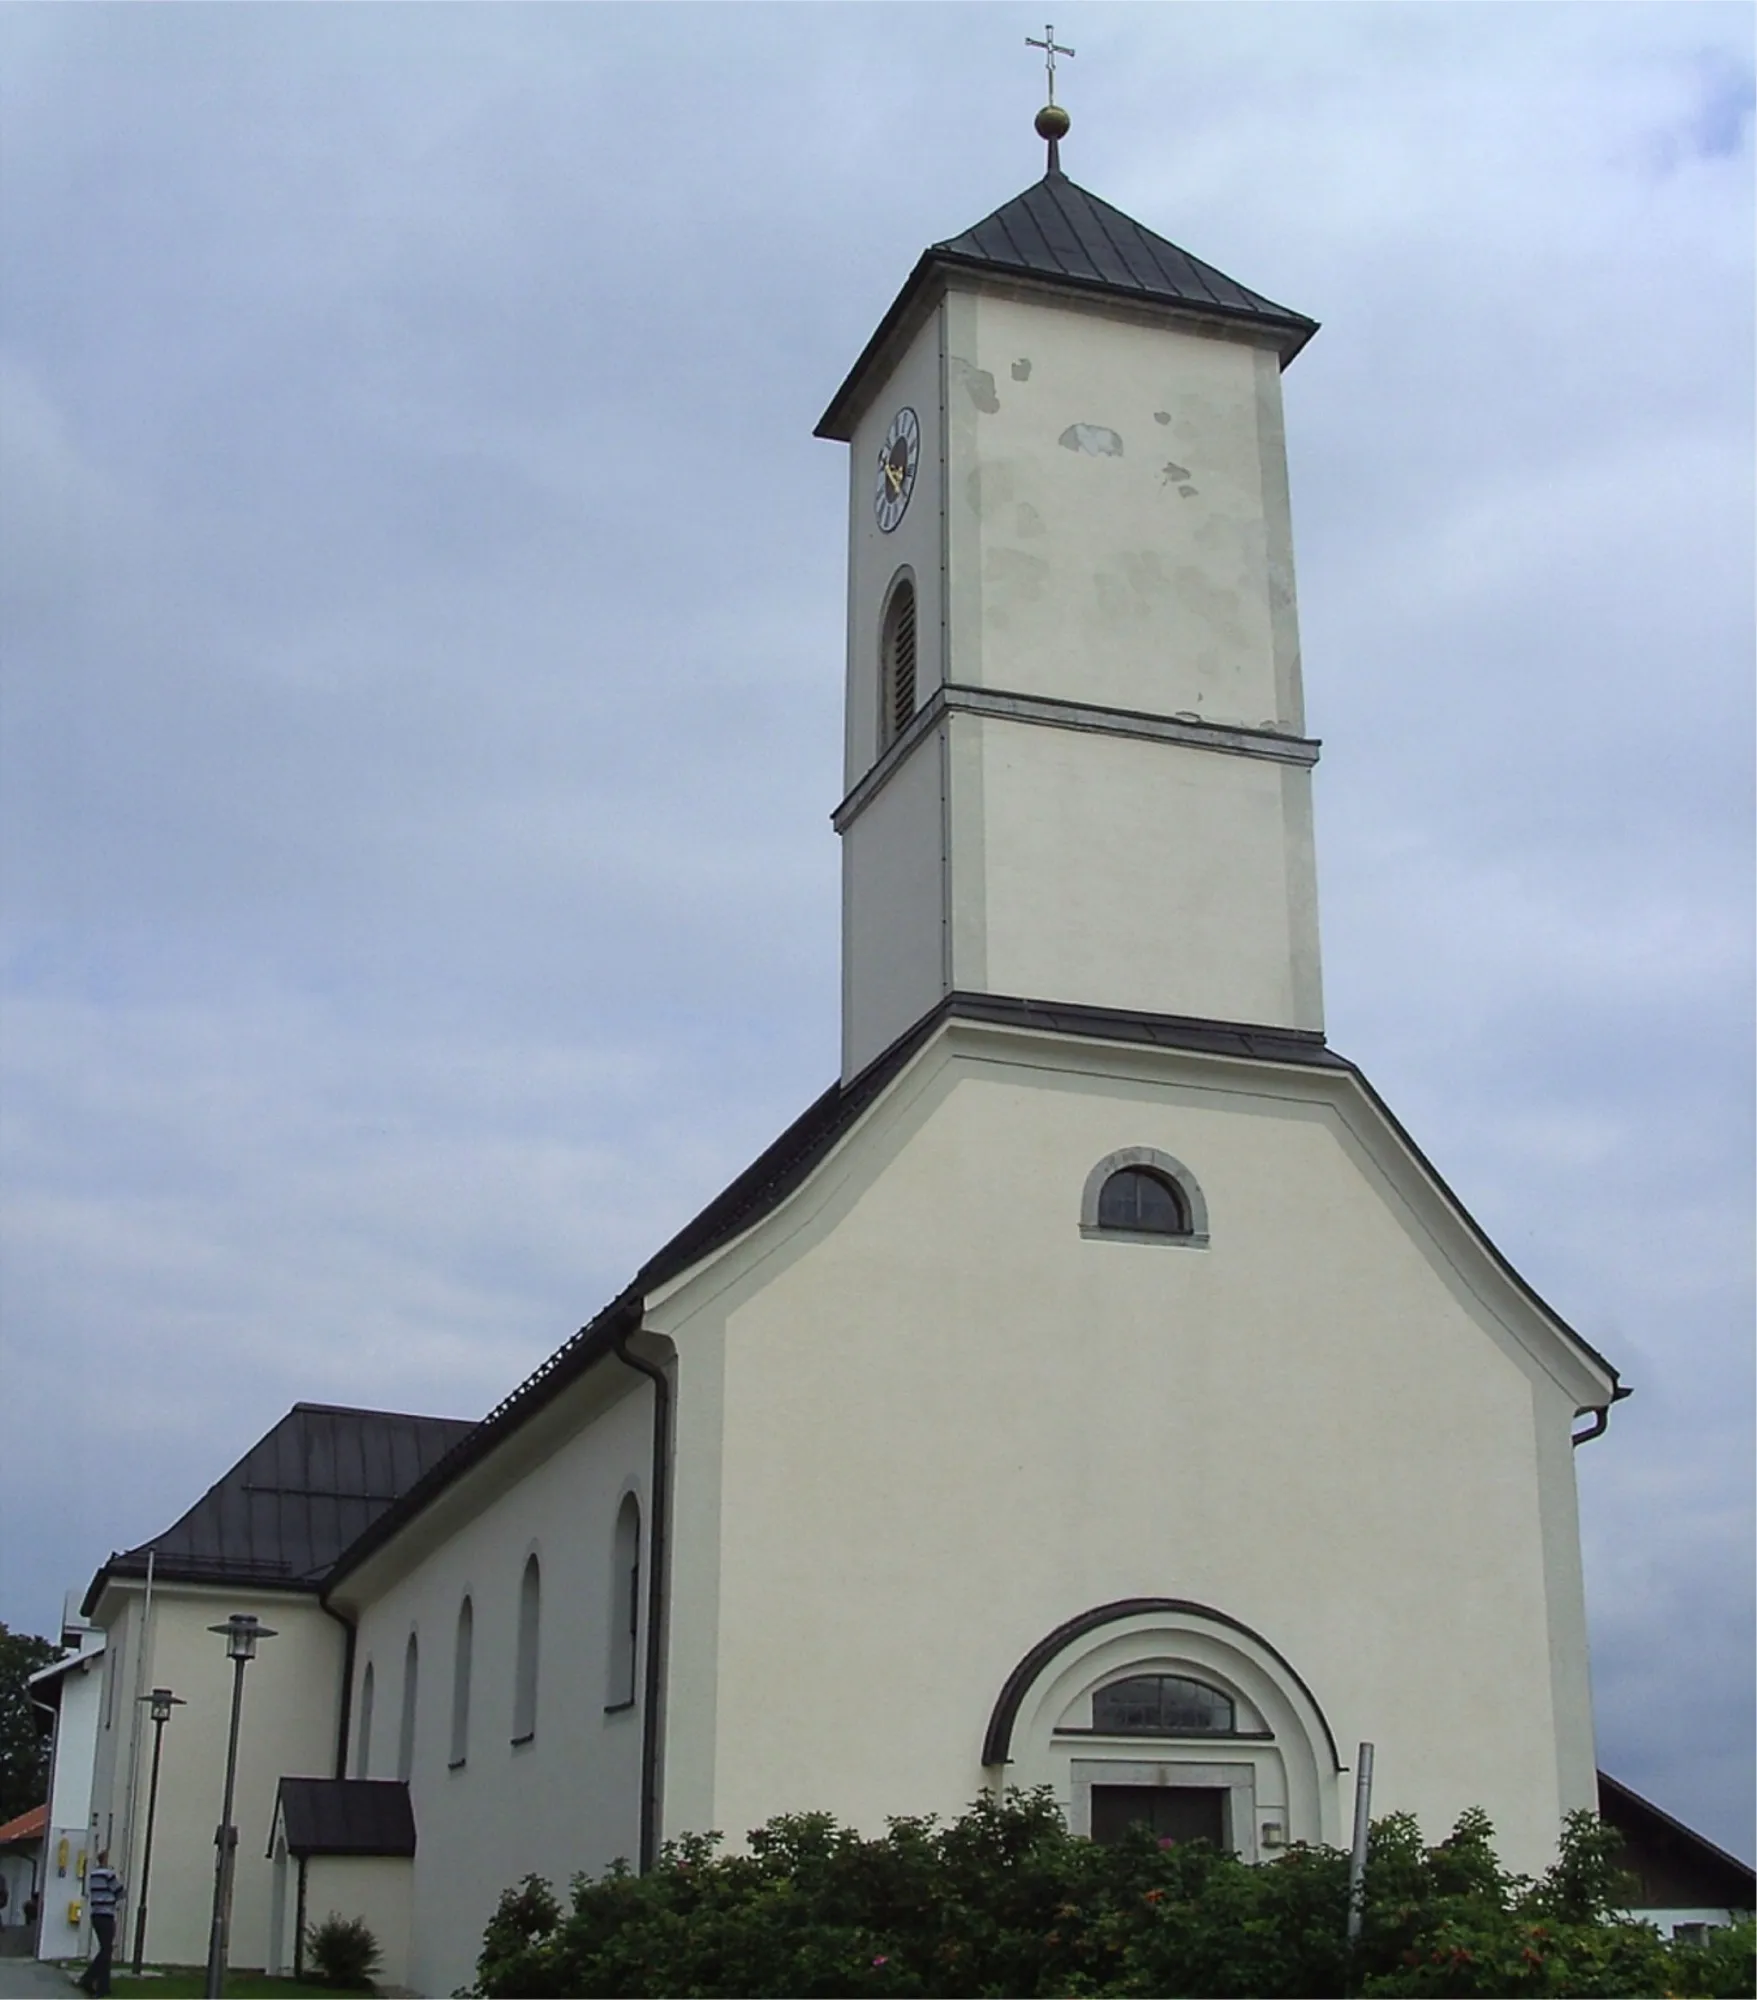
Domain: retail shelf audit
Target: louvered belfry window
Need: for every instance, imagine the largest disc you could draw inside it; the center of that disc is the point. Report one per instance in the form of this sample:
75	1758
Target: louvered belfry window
897	651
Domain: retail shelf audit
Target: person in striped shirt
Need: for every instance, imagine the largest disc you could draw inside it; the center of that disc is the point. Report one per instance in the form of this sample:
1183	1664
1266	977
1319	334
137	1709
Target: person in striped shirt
104	1892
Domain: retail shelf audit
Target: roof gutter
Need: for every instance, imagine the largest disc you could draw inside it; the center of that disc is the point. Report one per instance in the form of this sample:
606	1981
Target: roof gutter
1601	1418
657	1564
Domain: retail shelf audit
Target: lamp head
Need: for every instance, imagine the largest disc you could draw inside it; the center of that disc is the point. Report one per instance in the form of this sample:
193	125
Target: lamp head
163	1701
241	1632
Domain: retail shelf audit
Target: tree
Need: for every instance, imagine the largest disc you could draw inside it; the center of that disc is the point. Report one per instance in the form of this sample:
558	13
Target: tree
1006	1901
24	1750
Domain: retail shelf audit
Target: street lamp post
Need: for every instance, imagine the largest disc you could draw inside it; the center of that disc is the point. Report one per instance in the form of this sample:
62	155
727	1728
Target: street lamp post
163	1701
241	1632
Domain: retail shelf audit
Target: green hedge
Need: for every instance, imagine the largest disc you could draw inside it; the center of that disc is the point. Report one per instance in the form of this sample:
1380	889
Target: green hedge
1006	1902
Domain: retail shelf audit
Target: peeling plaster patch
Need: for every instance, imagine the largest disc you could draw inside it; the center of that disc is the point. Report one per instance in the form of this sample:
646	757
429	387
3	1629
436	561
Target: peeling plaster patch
979	382
1162	416
1171	472
1030	522
1021	370
1189	492
1093	438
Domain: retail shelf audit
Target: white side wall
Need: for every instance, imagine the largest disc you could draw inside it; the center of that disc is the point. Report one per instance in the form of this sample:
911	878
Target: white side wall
374	1887
70	1793
916	543
896	959
951	1422
568	1800
288	1727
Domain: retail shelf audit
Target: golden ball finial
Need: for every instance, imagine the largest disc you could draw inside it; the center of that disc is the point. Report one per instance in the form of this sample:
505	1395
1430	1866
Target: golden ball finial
1052	122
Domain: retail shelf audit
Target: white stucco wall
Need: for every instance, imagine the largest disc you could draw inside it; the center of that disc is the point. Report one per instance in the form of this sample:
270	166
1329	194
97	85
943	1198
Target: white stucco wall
373	1887
70	1791
291	1697
917	543
568	1800
896	961
1131	873
951	1422
1118	520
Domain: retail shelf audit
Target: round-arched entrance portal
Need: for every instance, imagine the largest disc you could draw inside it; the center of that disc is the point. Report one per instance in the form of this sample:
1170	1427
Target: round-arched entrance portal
1172	1713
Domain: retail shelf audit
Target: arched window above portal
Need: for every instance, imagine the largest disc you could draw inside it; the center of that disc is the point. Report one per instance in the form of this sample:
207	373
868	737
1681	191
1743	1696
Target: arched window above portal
1162	1705
1144	1196
899	647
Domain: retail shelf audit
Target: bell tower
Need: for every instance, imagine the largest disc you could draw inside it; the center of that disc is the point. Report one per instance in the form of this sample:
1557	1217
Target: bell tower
1076	767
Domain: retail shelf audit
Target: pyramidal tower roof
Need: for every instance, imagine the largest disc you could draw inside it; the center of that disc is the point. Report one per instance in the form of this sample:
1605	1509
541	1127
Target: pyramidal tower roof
1058	230
1058	233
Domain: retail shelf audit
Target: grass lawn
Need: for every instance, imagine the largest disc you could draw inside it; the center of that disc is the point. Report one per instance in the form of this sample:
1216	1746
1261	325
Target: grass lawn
189	1982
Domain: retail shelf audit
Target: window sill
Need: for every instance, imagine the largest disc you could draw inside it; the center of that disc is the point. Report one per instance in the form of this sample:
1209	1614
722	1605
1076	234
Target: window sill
1172	1735
519	1742
619	1707
1196	1239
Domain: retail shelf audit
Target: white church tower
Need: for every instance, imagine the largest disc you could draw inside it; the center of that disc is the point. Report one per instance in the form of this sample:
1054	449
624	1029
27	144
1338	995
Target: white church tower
1076	760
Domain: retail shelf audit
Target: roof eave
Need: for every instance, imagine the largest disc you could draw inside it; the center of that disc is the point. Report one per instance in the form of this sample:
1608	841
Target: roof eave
1288	332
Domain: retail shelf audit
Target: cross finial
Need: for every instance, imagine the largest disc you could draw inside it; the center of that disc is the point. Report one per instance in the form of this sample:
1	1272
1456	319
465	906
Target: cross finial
1052	120
1051	49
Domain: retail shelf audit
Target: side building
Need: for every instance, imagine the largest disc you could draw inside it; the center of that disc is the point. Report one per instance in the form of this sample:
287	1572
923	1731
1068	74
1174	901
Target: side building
262	1541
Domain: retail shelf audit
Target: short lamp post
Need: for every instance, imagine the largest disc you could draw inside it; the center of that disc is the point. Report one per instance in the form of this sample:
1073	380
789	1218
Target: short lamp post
163	1701
241	1632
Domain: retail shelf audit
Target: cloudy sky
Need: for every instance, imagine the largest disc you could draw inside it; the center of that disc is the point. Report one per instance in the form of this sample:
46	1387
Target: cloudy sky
422	651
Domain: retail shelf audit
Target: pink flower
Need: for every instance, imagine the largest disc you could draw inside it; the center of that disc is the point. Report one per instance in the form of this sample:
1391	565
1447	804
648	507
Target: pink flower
881	1960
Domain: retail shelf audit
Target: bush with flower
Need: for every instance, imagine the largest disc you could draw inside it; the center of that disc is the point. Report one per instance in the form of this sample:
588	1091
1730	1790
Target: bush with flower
1005	1901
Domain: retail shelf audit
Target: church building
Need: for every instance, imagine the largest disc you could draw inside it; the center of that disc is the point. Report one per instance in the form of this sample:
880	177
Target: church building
1095	1387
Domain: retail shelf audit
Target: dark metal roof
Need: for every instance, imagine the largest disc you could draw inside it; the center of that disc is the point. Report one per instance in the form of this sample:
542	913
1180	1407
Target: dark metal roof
1058	233
1058	230
294	1501
346	1816
1675	1867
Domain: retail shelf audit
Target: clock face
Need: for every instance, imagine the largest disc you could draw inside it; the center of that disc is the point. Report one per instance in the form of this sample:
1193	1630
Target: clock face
898	457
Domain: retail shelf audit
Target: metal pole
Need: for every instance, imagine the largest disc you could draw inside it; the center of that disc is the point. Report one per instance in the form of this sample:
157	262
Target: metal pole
146	1858
125	1843
1357	1860
226	1840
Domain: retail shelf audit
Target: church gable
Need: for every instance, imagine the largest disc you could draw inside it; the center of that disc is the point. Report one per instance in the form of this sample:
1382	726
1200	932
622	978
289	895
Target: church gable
938	1382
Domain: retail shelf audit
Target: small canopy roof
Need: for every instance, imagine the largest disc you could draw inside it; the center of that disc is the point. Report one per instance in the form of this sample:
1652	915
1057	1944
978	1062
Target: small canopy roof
361	1816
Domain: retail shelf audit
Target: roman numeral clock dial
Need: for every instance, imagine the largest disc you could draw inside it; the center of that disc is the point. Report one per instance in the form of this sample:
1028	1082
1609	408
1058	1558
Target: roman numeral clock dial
898	457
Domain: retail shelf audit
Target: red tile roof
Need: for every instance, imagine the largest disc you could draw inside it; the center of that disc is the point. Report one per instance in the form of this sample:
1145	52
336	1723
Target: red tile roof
28	1826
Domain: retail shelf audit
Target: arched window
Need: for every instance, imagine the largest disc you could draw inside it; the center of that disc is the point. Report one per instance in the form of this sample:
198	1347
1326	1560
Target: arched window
1138	1199
406	1727
1145	1195
524	1694
625	1603
897	648
460	1685
1162	1705
363	1735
